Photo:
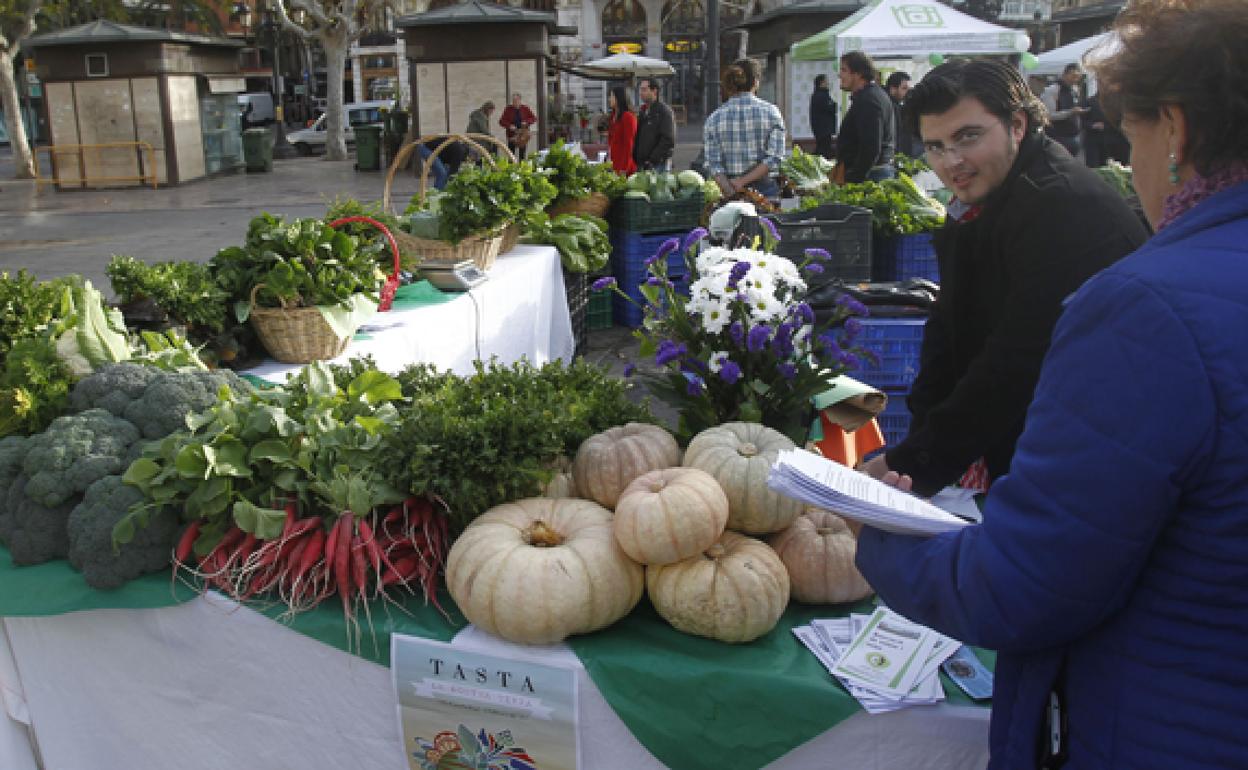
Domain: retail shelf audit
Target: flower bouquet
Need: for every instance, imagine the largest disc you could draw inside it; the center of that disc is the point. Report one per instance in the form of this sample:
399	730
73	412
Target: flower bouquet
743	345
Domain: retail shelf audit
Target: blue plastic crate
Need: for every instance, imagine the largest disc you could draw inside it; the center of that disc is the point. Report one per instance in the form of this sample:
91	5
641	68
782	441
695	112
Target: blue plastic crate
628	314
896	343
902	257
894	421
629	252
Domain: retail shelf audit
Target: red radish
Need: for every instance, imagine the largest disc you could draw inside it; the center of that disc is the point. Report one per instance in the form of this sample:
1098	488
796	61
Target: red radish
187	543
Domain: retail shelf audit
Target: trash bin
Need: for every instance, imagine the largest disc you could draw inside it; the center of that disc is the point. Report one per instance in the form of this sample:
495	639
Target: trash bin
396	122
258	149
368	148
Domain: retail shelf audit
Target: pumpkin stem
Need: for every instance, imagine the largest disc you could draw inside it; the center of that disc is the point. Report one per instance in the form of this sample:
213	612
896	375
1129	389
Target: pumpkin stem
747	450
716	551
541	535
821	531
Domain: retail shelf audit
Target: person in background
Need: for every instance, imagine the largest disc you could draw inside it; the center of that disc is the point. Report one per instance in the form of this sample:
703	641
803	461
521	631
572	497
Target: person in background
744	138
656	129
1062	101
1027	226
1109	569
823	117
1103	141
479	119
897	86
867	140
517	119
622	131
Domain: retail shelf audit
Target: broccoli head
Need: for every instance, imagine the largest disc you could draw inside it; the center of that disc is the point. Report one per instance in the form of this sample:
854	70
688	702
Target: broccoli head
112	387
74	452
171	396
37	533
12	453
90	532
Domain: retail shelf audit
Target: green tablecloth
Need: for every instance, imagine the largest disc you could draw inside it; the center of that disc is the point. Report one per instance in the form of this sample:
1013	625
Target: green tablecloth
693	702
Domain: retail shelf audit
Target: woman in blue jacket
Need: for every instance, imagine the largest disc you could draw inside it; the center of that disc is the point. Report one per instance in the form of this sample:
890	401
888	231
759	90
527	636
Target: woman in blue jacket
1111	569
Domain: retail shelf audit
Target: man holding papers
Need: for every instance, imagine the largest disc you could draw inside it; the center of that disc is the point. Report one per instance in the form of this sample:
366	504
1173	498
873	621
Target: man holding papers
1110	572
1029	224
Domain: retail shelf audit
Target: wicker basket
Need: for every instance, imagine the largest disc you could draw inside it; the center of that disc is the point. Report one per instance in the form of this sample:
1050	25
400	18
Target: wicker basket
595	203
511	236
392	282
481	249
295	335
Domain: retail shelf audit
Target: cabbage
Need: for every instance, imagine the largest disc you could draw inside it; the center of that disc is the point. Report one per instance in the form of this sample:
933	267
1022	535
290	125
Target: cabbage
690	178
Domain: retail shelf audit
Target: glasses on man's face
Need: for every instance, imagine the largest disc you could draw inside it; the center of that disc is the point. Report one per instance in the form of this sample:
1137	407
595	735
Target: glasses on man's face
936	152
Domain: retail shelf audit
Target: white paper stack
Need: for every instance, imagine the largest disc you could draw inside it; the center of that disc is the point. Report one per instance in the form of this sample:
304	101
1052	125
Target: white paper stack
818	481
882	659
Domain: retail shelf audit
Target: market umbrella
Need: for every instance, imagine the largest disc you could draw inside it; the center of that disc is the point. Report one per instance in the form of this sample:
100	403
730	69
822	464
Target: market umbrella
626	65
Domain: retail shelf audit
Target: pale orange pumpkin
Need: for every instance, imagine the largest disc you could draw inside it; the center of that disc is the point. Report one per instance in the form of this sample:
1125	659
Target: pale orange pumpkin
539	570
670	514
607	462
740	455
818	551
735	591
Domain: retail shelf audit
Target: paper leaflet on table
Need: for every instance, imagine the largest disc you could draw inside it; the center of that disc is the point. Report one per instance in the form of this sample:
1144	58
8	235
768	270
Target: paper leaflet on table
818	481
464	708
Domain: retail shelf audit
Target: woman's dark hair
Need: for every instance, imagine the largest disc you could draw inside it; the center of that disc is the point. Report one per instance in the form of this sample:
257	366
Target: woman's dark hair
740	76
994	84
1192	54
860	64
821	80
622	105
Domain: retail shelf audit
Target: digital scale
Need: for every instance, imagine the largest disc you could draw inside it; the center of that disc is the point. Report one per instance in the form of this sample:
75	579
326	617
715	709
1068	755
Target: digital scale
460	276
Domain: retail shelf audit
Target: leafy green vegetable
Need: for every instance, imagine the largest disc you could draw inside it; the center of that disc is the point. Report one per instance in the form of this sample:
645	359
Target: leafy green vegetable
580	238
898	206
807	171
575	177
910	166
1118	177
342	208
186	291
26	306
34	387
483	199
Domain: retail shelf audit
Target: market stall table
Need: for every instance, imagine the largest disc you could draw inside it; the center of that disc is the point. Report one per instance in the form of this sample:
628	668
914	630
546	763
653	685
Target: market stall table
205	685
520	311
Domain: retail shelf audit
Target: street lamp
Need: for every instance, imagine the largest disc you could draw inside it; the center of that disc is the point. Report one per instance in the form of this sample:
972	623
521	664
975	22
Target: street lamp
268	23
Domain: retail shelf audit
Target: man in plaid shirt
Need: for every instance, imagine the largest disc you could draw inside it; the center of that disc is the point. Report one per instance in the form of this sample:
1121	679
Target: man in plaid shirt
744	138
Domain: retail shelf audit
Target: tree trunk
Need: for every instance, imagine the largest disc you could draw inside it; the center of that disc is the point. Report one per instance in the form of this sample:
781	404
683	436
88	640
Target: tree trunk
335	61
23	161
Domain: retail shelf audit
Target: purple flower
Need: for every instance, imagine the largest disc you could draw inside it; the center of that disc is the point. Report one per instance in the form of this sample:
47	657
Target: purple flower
695	235
738	272
804	313
771	227
814	268
736	333
603	283
654	280
787	370
668	351
670	245
853	326
695	384
852	305
758	338
729	372
782	343
820	254
848	360
629	369
827	342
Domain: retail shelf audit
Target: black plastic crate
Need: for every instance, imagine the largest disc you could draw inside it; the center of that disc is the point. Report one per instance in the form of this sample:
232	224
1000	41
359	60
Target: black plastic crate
843	231
577	287
638	215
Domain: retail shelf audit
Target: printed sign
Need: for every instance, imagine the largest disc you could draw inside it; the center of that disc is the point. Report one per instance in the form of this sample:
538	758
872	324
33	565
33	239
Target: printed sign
466	710
917	16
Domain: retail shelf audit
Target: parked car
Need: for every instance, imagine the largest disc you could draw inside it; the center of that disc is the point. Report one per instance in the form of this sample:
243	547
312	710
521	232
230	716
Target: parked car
312	139
256	109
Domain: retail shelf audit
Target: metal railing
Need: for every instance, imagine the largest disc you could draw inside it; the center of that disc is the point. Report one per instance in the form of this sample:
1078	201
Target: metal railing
147	171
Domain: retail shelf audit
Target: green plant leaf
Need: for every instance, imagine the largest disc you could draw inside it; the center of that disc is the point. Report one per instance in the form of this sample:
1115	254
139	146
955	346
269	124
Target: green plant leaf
192	461
264	523
271	450
228	457
375	387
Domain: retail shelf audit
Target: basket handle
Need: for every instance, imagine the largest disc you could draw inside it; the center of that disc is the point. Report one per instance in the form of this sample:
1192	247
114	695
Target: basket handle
257	288
394	247
406	150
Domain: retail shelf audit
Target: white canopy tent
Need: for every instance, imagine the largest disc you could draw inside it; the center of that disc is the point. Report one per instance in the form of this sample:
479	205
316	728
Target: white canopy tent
910	28
1079	52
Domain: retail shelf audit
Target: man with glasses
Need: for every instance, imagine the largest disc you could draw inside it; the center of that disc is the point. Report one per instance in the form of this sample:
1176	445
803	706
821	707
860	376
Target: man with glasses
1027	226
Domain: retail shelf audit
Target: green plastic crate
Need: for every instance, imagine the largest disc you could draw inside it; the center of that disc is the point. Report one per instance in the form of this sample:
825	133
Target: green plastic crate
641	216
598	313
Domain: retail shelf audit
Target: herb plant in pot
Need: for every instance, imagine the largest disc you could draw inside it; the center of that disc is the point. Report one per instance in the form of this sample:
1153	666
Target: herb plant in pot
305	286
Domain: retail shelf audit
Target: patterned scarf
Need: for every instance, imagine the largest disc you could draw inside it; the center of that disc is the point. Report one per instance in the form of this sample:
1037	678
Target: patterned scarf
1199	189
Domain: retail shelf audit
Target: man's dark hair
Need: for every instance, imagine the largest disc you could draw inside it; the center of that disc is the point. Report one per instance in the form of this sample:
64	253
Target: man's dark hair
1204	41
994	84
821	81
652	84
860	64
896	79
1069	68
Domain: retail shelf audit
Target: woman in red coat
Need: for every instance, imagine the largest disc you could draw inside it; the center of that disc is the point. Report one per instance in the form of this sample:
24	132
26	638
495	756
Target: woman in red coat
622	132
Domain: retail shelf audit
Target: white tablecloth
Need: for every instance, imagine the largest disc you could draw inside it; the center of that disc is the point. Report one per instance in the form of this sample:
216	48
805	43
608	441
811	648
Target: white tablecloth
520	311
210	686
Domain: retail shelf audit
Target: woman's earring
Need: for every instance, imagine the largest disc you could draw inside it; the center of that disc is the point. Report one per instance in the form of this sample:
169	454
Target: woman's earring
1173	168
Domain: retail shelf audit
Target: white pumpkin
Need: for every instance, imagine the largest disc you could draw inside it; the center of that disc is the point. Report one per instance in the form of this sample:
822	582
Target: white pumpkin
607	462
669	515
739	455
561	485
735	591
818	551
538	570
